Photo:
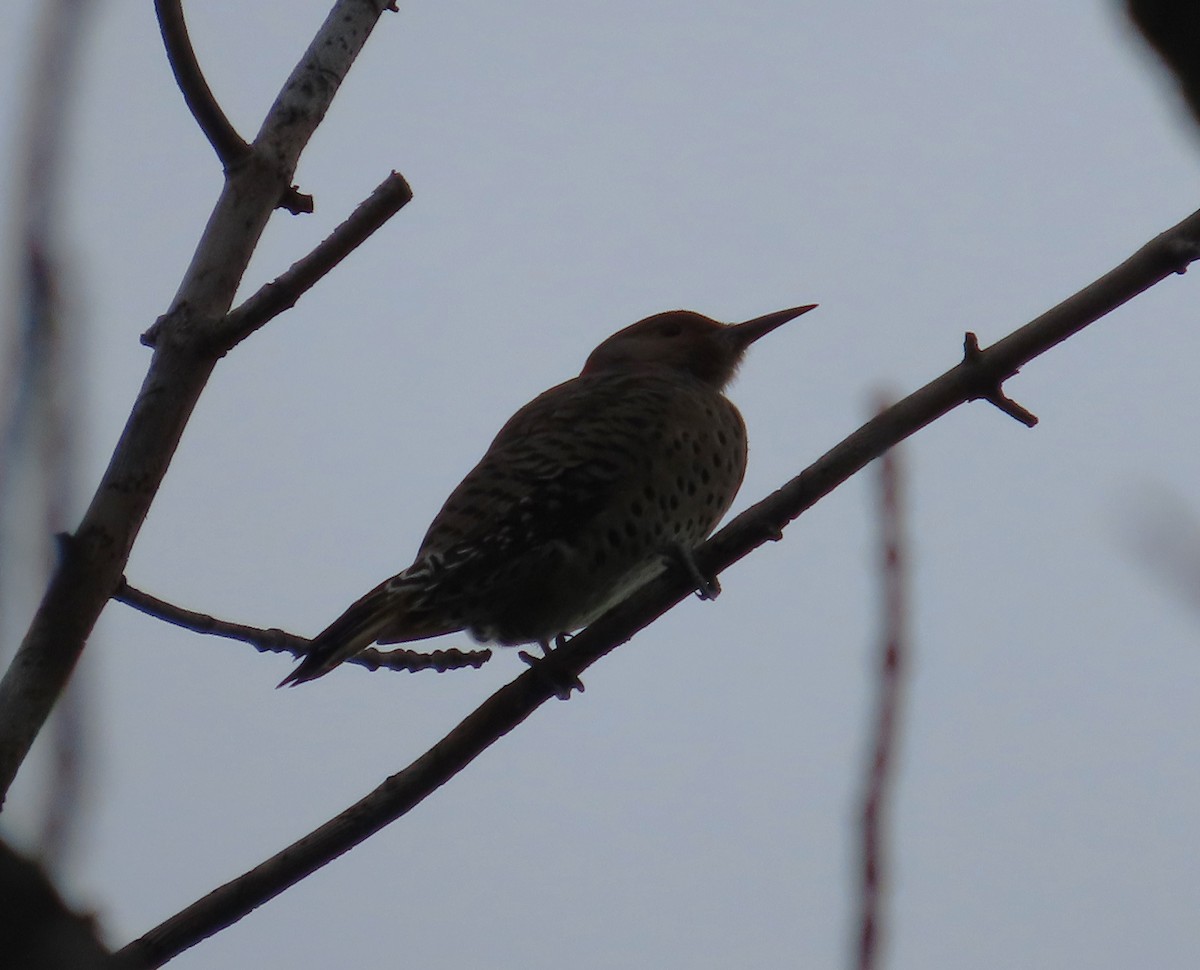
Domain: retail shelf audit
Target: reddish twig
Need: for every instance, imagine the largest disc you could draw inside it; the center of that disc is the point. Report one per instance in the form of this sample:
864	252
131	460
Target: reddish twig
892	667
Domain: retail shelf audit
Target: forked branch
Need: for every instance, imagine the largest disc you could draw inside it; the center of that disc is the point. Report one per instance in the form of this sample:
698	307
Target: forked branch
86	577
230	147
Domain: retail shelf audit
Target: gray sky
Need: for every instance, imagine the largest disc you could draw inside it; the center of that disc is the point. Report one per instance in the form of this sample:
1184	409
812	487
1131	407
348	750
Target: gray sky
919	170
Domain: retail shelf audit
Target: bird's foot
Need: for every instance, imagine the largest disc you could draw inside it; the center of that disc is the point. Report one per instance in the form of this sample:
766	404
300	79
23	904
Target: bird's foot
547	668
706	587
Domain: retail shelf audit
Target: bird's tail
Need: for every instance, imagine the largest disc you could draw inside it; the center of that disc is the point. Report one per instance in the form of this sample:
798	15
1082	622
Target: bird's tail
353	631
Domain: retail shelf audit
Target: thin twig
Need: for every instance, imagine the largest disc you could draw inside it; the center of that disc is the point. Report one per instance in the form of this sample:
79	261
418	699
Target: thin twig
274	640
1166	254
892	670
230	147
391	195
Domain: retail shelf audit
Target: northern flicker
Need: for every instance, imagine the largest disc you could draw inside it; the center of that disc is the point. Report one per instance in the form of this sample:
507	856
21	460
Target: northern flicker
583	496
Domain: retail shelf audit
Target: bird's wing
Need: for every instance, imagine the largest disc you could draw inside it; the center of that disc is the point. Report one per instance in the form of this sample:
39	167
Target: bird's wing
549	472
551	468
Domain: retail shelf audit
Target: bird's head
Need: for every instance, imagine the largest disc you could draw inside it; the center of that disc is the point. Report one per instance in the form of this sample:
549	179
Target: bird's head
684	342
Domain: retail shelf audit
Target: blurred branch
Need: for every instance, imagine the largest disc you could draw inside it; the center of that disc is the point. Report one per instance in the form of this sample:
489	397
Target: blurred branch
39	406
979	376
1160	528
892	669
37	931
1172	27
94	560
274	640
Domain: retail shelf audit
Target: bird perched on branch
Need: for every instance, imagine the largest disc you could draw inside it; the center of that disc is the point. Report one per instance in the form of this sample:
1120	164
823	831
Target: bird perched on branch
585	495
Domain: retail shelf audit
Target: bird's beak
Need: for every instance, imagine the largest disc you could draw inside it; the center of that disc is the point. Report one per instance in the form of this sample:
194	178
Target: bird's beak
746	333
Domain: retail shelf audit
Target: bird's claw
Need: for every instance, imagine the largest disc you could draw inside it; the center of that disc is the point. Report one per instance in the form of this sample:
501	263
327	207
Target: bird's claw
548	669
706	587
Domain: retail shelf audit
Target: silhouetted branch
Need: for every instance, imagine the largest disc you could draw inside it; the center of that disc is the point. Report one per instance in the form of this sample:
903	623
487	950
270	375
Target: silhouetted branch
274	640
392	194
891	672
995	395
183	360
504	710
230	147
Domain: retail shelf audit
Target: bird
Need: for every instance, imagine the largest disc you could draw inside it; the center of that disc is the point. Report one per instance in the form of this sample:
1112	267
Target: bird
587	493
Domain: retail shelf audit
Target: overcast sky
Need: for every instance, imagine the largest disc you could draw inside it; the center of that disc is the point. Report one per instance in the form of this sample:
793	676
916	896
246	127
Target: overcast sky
919	170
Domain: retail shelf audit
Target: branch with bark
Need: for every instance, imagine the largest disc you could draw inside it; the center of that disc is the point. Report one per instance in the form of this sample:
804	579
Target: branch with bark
199	327
188	342
231	148
979	376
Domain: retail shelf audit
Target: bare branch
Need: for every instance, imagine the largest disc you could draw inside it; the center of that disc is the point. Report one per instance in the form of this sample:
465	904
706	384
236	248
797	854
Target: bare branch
275	640
281	294
230	147
87	576
995	395
508	707
892	671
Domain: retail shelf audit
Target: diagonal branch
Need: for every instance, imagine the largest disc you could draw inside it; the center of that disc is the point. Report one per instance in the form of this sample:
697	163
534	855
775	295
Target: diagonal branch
95	559
281	294
275	640
272	299
974	378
